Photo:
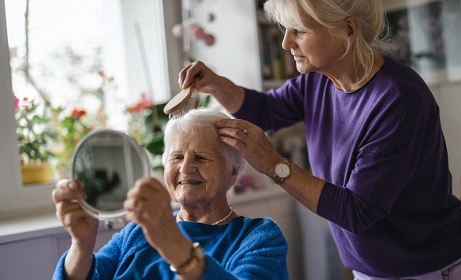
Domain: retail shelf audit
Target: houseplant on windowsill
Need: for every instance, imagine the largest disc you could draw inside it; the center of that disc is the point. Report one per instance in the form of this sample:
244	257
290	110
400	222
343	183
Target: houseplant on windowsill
146	121
70	127
34	135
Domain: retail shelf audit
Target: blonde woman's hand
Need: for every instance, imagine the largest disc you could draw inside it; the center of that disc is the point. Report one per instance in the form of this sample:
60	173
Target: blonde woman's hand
227	93
251	141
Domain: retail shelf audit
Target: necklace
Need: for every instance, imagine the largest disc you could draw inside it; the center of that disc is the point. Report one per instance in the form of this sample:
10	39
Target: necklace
179	218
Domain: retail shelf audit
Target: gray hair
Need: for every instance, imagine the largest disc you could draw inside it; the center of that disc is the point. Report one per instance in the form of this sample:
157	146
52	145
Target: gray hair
373	37
203	119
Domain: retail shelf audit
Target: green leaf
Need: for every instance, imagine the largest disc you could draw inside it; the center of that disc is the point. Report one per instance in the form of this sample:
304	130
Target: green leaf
155	146
206	102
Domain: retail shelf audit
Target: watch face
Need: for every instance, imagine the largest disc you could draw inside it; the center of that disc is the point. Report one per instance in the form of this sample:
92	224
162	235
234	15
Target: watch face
282	170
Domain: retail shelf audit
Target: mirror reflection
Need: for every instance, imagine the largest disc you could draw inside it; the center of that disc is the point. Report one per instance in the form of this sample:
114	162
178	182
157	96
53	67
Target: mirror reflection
108	162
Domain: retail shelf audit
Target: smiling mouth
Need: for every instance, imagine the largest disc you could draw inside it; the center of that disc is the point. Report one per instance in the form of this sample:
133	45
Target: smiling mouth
298	57
189	182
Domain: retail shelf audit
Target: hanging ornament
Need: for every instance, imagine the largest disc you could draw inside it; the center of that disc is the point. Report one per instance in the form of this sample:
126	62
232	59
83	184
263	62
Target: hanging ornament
209	39
211	17
178	30
197	32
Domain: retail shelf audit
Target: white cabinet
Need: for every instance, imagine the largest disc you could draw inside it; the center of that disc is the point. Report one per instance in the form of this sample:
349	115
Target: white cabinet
63	241
36	258
28	259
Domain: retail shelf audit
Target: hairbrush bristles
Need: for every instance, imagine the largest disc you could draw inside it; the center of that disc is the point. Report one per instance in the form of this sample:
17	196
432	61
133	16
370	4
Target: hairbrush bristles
182	103
183	109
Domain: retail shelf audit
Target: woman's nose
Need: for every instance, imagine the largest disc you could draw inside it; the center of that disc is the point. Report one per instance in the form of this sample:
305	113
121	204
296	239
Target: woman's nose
188	166
287	42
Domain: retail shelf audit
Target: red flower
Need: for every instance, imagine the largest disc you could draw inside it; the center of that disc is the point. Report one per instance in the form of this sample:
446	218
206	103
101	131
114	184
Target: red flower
144	103
77	113
102	74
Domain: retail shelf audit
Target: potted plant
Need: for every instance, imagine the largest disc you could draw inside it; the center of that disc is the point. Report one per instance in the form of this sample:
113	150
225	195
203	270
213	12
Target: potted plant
70	127
34	135
146	121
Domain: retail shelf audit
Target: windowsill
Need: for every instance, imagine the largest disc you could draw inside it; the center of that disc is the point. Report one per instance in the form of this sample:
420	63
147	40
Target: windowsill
45	223
30	226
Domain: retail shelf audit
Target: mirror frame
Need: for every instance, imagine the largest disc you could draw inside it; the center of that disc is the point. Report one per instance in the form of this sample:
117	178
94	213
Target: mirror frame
140	151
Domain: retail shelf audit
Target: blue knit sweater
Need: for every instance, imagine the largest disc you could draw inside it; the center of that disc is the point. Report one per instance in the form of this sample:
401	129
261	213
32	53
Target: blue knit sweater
243	249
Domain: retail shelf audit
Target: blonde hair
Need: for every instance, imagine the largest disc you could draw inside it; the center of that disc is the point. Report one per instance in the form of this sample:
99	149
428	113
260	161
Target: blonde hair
197	120
373	31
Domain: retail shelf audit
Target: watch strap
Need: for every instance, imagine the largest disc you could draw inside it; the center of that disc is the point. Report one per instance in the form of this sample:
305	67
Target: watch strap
197	255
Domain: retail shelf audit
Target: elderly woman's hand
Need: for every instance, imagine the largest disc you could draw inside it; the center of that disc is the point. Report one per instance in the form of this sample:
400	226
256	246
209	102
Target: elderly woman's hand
149	204
81	226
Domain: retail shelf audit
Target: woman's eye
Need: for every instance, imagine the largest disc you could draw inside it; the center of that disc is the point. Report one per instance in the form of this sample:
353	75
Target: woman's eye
298	32
176	158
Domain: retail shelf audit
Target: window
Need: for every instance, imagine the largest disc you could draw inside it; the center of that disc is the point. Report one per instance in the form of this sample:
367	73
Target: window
90	54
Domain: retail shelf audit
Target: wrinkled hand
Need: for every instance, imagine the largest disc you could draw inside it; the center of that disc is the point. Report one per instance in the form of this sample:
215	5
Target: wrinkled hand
228	94
251	141
205	79
81	226
149	204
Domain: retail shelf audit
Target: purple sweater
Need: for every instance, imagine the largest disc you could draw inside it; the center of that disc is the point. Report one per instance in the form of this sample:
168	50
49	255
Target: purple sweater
381	149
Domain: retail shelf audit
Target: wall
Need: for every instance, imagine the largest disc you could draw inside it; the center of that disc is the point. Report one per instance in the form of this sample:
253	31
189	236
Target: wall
235	53
172	16
448	96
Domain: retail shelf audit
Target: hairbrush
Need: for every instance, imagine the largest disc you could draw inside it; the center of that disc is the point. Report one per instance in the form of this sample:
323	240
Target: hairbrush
180	104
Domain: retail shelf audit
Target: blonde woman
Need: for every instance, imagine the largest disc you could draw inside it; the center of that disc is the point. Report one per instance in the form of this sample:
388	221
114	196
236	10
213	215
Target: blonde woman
376	147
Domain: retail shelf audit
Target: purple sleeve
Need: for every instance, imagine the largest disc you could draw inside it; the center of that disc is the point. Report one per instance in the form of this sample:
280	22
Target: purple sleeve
348	210
275	109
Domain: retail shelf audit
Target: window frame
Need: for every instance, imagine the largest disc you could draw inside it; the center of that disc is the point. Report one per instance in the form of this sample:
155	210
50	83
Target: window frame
13	194
15	199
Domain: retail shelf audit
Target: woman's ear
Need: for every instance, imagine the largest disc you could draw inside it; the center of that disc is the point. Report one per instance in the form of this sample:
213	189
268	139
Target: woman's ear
233	177
352	27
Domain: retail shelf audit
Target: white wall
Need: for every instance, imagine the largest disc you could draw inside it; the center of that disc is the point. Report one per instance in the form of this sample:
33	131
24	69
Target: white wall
235	53
172	16
448	96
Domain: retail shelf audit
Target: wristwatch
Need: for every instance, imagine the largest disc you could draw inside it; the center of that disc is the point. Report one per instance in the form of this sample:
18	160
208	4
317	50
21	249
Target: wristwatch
282	171
197	255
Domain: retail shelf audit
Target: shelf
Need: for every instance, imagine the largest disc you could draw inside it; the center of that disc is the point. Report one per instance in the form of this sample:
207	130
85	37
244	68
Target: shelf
269	84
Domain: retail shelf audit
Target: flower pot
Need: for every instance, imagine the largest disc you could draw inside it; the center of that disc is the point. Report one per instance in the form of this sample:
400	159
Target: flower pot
36	173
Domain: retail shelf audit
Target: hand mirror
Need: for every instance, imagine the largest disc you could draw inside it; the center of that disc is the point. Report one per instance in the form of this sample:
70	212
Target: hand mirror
108	162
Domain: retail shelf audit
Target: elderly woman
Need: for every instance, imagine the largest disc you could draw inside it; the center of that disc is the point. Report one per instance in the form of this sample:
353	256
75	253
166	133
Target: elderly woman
376	147
205	239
